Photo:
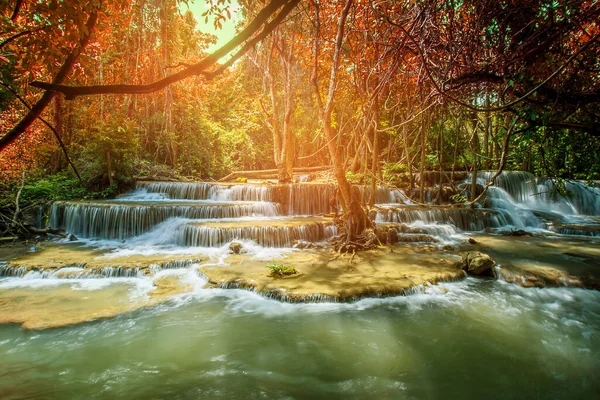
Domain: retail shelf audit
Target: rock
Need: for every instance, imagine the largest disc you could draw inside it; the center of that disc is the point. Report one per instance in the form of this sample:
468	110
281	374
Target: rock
416	238
473	241
72	238
235	248
392	237
303	244
519	232
403	228
387	234
477	263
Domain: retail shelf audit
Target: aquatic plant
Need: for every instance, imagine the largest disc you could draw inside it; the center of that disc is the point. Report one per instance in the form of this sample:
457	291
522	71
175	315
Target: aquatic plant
281	270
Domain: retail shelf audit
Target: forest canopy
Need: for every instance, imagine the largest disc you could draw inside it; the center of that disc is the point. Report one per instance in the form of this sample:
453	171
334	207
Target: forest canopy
372	87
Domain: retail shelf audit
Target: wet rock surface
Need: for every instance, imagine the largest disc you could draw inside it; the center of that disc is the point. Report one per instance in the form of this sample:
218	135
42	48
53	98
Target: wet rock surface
325	275
477	264
235	248
543	261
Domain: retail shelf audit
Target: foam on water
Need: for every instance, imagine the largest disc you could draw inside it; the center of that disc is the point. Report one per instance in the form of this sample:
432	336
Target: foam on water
142	194
139	286
519	195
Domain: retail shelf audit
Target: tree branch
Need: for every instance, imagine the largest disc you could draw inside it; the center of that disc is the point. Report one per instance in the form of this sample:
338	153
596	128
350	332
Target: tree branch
16	10
58	138
62	74
18	35
199	68
442	92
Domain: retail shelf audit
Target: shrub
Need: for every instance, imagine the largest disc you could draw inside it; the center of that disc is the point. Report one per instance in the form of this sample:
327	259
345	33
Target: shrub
281	270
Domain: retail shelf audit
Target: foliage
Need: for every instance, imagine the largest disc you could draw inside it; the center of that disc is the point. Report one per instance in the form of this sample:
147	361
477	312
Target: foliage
480	52
354	177
281	270
51	188
458	199
395	168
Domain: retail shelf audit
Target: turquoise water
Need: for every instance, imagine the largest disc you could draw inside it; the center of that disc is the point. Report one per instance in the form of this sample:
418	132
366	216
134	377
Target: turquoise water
468	340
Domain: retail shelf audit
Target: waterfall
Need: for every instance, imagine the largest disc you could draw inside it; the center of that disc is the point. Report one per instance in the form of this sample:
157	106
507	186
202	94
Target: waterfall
533	202
527	191
208	235
208	191
384	195
463	218
181	190
311	199
121	220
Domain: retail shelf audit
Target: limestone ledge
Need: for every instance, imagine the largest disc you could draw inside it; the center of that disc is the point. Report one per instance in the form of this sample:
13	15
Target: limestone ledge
80	261
324	276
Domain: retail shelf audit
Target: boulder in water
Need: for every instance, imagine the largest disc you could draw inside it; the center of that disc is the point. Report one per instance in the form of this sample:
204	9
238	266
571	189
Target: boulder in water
235	248
477	263
416	238
519	232
387	234
392	236
303	244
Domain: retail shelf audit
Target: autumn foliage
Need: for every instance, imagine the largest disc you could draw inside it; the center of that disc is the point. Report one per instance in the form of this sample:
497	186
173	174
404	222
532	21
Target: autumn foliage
419	86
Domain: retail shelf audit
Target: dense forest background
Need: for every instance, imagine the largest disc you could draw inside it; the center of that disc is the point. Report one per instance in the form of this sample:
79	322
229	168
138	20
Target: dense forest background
379	87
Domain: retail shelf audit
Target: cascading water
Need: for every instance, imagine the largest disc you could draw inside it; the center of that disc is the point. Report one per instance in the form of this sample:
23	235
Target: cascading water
126	288
461	218
119	220
530	202
211	235
193	205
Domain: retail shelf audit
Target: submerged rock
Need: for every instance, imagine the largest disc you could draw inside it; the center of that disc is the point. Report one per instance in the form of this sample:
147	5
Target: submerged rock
235	248
542	277
477	263
303	244
518	232
412	238
387	234
391	236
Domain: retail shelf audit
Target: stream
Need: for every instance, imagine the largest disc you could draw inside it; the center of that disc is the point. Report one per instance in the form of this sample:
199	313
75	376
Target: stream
125	311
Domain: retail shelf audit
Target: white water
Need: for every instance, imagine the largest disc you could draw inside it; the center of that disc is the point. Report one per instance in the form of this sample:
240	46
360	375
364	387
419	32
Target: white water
525	199
473	339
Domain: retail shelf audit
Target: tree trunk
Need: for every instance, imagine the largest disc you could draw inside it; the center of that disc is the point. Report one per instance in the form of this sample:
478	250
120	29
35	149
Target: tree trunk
375	161
354	220
58	126
475	148
411	177
488	131
109	170
422	170
440	161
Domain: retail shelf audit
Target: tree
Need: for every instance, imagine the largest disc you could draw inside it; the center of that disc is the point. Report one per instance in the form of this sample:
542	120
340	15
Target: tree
256	30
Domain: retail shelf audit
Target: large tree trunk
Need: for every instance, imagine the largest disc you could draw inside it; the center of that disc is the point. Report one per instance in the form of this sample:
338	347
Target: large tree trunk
422	167
487	134
375	161
475	149
354	221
